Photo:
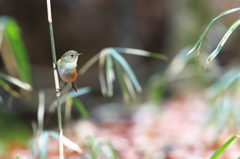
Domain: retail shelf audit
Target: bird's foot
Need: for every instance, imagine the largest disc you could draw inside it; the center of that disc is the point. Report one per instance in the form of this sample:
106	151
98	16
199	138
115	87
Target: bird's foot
58	90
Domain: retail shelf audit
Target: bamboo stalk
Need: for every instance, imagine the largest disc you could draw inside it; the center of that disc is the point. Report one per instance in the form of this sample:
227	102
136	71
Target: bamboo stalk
59	112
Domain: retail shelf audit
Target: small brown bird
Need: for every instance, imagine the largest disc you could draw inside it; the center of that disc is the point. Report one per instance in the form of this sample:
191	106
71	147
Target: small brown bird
67	68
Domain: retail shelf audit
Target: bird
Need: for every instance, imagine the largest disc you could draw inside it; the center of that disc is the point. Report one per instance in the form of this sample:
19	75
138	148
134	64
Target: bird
67	68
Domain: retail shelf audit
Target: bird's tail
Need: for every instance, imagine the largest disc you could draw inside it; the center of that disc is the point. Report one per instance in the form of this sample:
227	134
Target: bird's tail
74	86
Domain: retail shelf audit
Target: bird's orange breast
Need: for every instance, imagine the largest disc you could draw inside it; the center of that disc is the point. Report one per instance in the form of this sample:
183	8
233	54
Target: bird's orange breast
69	77
74	74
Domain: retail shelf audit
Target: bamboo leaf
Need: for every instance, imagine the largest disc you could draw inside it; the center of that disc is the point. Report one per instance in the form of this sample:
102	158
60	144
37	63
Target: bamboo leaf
126	68
199	41
223	147
102	59
91	145
140	53
130	87
222	42
81	91
43	139
178	63
5	86
114	152
80	107
72	94
121	81
12	32
16	81
42	144
100	149
109	75
223	83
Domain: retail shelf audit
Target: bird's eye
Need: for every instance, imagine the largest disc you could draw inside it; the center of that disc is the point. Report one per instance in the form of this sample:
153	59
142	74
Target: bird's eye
71	55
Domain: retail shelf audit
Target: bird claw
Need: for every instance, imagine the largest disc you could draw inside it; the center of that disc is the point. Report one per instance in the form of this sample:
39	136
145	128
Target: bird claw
59	90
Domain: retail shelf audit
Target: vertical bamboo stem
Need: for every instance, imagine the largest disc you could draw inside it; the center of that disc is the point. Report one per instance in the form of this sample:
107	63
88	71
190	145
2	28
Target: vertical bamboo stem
55	78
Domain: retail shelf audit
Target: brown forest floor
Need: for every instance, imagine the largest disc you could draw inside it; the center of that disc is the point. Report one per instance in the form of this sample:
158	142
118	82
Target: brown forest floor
174	132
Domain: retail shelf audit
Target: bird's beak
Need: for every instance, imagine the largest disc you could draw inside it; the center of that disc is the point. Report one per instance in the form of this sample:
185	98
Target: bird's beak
79	54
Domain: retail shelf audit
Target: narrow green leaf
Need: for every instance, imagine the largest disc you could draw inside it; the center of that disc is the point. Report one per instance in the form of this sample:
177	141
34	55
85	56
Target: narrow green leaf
105	151
126	68
115	154
199	41
9	89
224	84
80	107
42	144
223	147
72	94
80	92
15	81
224	81
140	53
101	74
178	63
92	145
66	141
121	81
109	75
99	148
129	86
222	42
13	35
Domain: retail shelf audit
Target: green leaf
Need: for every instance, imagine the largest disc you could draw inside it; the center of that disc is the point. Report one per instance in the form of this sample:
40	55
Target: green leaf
114	152
222	42
16	81
80	92
140	52
72	94
223	147
102	59
129	86
12	32
126	68
199	41
43	142
80	107
223	83
109	75
99	148
92	145
178	63
121	81
5	86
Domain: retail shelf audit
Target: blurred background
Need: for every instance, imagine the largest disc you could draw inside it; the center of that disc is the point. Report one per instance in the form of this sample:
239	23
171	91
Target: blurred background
88	26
